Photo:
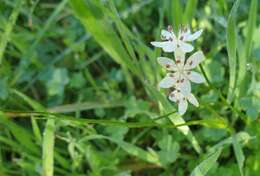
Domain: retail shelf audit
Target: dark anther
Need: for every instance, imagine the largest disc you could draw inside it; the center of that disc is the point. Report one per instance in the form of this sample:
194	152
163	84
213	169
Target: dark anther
178	61
169	28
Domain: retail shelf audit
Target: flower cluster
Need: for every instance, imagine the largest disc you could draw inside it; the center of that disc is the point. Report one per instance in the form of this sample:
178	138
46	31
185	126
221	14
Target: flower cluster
180	70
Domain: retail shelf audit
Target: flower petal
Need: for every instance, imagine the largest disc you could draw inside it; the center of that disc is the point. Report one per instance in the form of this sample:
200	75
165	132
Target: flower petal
182	106
167	63
183	33
185	47
194	60
191	98
183	84
169	80
195	77
166	35
167	46
175	96
193	36
179	58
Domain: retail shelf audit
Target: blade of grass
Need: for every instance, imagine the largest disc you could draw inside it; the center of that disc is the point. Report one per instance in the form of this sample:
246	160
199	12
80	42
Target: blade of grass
48	137
189	11
176	14
242	137
85	106
48	148
231	37
93	18
245	57
9	27
23	136
240	157
211	123
205	165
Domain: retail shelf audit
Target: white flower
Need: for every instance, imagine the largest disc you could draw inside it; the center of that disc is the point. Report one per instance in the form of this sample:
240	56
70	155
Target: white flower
171	42
182	100
180	74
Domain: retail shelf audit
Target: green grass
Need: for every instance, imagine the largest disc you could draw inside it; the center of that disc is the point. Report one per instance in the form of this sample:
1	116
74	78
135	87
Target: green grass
79	94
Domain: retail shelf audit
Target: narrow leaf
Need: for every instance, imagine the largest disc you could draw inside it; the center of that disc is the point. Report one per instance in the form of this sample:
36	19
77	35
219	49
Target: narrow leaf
231	48
207	164
238	153
9	27
189	11
245	56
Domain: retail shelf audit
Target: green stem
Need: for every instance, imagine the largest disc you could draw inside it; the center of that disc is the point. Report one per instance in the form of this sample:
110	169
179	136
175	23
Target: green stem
48	115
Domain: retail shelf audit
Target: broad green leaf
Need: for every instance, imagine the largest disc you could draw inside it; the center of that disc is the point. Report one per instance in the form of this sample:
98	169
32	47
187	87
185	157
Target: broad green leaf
232	49
205	165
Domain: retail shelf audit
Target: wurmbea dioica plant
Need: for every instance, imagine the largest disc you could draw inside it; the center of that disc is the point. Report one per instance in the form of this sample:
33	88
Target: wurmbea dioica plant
180	71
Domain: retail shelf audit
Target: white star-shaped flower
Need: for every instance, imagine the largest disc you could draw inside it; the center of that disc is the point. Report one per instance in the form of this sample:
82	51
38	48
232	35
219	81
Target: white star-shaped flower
180	73
171	42
182	100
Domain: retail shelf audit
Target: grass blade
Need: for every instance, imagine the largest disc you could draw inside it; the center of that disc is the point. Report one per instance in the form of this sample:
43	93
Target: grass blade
131	149
48	148
23	136
176	14
245	57
189	11
48	137
205	165
240	157
93	18
232	49
9	27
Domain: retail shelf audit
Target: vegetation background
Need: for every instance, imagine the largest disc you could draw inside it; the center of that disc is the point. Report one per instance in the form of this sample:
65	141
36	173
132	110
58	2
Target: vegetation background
79	96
